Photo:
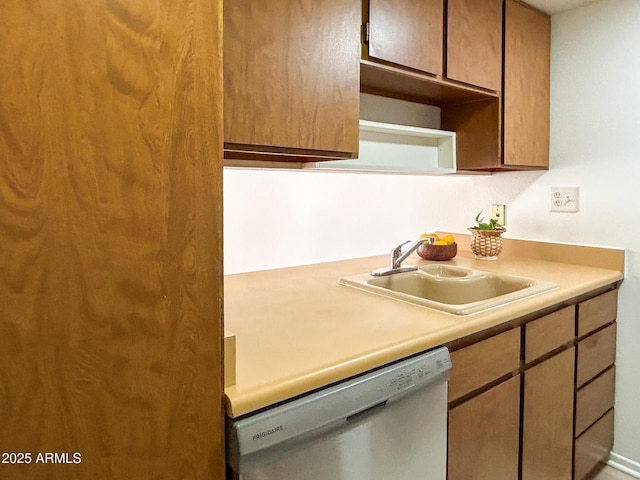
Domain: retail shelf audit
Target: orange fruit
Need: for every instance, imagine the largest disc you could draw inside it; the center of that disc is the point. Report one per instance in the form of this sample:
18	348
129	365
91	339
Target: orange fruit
449	239
425	235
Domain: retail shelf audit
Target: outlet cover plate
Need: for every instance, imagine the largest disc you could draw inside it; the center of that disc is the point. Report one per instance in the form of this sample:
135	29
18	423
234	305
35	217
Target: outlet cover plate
564	199
498	213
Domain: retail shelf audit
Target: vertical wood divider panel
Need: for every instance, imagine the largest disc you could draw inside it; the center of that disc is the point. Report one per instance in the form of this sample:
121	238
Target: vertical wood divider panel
110	234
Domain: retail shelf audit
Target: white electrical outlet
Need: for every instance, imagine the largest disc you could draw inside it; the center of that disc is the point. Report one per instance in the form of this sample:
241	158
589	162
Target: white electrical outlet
564	199
497	214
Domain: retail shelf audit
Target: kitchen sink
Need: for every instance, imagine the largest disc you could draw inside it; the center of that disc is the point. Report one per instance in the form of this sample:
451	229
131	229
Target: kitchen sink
451	289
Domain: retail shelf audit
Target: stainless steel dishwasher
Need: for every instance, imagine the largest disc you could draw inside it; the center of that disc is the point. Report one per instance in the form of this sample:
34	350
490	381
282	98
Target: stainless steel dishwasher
389	423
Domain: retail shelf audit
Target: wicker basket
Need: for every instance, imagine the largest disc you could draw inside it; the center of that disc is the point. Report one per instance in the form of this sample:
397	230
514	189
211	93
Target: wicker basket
486	244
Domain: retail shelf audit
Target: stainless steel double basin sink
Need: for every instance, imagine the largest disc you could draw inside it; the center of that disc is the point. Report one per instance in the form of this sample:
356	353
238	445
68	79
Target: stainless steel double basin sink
452	289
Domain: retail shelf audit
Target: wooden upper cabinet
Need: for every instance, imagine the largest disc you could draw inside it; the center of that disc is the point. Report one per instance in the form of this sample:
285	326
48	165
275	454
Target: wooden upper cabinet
526	86
408	33
474	42
292	78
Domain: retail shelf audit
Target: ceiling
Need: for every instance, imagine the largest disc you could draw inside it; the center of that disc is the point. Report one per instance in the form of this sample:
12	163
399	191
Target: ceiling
557	6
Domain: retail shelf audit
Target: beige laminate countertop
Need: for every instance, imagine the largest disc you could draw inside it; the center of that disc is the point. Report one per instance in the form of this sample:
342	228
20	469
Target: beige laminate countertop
297	329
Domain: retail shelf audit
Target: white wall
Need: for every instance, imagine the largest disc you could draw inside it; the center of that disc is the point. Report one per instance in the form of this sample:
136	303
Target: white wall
595	142
283	218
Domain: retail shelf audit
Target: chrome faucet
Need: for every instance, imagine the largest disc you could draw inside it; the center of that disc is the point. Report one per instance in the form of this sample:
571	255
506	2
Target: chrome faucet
397	256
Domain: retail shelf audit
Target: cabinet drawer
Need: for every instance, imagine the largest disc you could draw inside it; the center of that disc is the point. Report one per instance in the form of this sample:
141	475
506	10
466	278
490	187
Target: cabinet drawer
595	354
593	446
484	362
549	332
596	312
594	399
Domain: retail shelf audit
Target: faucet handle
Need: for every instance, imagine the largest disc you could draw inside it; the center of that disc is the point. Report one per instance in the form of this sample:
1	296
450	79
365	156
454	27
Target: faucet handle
395	260
395	253
397	256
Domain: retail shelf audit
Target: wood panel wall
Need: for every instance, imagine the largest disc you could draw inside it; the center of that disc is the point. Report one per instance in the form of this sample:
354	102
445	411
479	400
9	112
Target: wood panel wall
110	239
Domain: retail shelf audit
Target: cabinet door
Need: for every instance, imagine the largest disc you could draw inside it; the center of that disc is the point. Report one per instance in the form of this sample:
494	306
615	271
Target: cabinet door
484	435
474	42
408	33
547	419
526	86
292	76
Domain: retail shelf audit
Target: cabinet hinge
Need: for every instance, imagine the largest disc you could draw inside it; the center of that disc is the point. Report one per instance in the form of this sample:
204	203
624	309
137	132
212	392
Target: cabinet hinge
365	32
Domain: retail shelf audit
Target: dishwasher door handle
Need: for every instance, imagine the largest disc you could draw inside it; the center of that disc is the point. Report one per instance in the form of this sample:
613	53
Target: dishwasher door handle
367	412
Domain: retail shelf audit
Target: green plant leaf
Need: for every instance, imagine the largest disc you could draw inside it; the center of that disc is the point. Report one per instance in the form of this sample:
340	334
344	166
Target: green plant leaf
481	225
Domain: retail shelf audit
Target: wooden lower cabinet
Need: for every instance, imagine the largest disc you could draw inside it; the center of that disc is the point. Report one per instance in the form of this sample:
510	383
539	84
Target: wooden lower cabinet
484	433
552	419
547	419
595	382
